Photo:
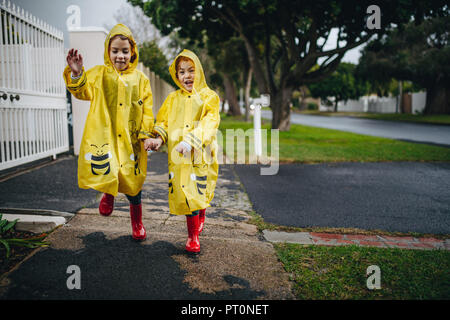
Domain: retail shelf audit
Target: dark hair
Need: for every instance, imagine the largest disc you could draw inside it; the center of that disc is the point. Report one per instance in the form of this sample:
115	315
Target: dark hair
179	59
122	37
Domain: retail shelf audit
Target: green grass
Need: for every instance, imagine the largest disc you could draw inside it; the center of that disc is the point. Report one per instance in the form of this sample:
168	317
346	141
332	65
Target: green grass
432	119
314	145
320	272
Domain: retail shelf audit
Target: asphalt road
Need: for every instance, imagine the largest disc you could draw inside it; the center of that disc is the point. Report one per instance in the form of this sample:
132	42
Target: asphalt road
396	197
414	132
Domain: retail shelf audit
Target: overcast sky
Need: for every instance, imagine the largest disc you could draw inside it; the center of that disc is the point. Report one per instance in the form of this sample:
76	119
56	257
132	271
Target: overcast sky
100	13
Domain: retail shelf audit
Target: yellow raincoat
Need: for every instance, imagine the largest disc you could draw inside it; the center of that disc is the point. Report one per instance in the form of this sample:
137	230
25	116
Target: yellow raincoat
193	118
112	157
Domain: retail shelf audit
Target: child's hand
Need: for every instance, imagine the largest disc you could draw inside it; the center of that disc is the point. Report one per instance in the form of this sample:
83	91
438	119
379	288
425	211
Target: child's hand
153	144
75	62
183	148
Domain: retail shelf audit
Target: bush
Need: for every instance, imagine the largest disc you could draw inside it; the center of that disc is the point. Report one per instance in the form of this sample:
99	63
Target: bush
312	106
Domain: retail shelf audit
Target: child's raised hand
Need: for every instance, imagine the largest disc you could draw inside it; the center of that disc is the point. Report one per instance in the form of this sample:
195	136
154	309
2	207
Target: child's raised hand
75	62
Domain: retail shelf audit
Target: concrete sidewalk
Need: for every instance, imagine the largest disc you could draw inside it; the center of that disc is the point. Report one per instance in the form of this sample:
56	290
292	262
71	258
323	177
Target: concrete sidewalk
234	263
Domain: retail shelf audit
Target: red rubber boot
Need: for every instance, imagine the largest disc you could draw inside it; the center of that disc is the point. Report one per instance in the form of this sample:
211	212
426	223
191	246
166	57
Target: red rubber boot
136	222
106	205
193	242
201	218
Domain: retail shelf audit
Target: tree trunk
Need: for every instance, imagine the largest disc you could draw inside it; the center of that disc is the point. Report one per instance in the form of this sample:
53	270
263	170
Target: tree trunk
438	99
336	101
223	104
230	93
281	109
400	96
248	86
256	66
302	98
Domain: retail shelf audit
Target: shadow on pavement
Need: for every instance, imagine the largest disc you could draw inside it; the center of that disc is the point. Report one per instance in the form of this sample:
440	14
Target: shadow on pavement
113	269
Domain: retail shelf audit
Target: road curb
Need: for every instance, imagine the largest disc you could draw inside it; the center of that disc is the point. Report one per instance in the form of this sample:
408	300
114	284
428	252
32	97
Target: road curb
35	220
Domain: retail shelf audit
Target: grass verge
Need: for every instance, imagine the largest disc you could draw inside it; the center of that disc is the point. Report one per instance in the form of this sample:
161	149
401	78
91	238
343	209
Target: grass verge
305	144
320	272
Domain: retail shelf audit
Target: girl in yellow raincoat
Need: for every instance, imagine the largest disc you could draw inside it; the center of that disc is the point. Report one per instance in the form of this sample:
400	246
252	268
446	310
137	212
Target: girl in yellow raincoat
188	122
112	155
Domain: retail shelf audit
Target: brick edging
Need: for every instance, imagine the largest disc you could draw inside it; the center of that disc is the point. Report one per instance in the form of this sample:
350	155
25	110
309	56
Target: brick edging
379	241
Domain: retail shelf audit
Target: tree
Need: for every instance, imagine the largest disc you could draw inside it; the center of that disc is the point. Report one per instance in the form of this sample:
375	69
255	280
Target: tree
284	39
153	58
419	52
229	62
341	84
139	24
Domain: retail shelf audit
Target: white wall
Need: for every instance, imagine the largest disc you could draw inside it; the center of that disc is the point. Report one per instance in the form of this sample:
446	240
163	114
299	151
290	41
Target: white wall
90	43
418	102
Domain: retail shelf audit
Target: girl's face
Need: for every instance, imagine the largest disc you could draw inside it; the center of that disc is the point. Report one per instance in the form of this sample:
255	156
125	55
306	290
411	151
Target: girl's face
120	53
186	74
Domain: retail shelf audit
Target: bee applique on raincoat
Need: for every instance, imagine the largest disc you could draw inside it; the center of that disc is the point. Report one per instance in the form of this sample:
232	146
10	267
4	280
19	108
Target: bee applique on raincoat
112	157
192	117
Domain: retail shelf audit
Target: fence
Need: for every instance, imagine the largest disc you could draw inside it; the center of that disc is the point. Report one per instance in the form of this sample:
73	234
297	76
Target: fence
33	108
160	88
412	103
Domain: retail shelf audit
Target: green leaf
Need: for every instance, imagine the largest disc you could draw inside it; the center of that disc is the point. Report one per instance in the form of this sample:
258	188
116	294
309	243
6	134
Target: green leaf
10	225
5	243
3	223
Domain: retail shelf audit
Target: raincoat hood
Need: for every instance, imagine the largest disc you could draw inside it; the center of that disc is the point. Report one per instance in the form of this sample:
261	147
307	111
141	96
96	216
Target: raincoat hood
123	30
199	81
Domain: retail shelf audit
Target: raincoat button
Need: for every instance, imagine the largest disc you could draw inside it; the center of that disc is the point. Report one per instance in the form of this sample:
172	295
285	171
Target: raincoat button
187	126
120	104
120	135
182	186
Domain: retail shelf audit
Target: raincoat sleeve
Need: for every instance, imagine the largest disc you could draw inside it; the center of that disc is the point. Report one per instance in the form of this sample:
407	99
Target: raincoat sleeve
203	134
162	118
81	88
148	120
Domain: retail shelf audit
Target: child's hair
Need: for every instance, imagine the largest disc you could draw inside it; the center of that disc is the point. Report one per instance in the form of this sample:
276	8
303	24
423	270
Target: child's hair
122	37
178	61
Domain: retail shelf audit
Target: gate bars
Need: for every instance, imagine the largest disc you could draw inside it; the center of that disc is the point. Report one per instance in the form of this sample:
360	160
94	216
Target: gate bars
33	107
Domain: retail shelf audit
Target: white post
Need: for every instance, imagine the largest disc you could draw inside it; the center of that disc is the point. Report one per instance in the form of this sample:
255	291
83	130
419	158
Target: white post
263	101
257	130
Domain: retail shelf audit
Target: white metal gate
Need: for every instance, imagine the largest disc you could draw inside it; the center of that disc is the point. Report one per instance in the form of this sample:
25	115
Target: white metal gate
33	107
